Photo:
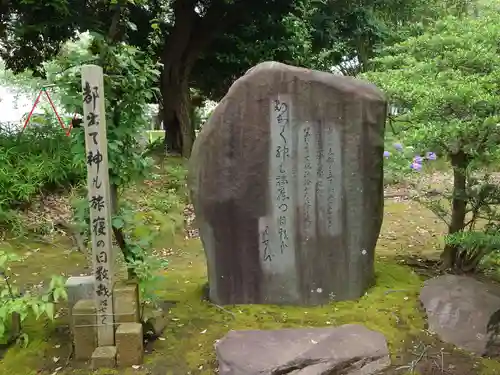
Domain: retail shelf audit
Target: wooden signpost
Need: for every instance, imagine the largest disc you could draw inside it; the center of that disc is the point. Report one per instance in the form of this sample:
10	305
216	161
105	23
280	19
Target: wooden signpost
96	145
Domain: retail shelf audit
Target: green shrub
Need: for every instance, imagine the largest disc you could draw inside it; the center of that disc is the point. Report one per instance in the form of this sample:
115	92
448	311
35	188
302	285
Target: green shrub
32	162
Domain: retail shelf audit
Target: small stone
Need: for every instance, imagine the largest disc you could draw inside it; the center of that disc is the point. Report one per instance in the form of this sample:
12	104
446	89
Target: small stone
129	344
104	357
156	322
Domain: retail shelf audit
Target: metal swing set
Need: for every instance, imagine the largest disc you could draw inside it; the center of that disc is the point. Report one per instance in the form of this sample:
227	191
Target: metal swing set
43	90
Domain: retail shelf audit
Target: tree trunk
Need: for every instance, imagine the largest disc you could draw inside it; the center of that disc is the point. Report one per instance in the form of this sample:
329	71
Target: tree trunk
190	36
459	163
179	130
178	57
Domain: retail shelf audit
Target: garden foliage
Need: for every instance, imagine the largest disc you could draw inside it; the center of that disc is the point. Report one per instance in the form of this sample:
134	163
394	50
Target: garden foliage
444	86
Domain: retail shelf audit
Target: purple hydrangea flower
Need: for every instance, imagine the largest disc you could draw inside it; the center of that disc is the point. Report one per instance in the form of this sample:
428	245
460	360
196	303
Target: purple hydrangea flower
416	166
418	159
398	146
431	156
387	154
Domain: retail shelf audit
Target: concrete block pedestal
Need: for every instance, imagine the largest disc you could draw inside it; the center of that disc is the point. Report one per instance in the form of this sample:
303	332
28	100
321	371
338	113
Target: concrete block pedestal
129	344
84	328
104	357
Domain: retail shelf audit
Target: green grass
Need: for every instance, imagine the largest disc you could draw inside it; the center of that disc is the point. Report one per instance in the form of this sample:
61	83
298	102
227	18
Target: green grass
391	307
197	324
153	135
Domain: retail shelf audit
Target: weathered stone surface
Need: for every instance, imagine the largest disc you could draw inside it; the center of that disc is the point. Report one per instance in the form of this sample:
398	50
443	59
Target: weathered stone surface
463	311
129	344
104	357
307	351
84	328
156	321
14	327
78	288
287	183
126	302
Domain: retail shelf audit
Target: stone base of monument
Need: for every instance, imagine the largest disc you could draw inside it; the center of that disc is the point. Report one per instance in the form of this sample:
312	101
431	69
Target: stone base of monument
129	348
126	307
104	357
129	344
78	288
84	317
349	350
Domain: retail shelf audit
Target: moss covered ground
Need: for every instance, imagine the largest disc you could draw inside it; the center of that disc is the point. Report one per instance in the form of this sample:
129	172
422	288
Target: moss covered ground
186	347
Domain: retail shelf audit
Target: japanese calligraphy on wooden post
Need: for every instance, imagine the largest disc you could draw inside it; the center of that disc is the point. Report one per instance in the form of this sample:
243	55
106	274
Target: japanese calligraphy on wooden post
99	198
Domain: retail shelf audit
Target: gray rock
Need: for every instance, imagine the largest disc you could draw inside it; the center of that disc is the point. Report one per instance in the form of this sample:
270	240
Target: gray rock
287	184
156	321
463	311
79	287
347	350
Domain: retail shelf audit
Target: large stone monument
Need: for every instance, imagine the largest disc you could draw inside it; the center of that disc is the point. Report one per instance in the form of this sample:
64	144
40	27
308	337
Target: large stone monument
286	179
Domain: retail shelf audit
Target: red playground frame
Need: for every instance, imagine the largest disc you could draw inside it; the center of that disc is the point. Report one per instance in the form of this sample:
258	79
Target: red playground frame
44	90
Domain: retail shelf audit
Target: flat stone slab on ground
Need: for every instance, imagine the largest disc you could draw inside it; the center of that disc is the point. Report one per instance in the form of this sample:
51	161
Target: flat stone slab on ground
463	311
304	351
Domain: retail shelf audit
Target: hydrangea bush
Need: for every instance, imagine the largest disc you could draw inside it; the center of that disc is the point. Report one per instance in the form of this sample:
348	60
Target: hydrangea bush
445	89
400	160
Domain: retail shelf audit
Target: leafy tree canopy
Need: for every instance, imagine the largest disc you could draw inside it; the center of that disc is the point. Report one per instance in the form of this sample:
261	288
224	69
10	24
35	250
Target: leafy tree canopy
445	83
206	44
317	34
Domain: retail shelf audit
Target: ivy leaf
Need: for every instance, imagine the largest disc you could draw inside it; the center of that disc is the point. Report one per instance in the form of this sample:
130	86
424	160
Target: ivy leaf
50	310
118	222
37	309
132	26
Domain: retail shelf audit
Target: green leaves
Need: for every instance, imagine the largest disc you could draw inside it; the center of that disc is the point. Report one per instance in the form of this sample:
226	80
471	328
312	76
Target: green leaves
37	159
446	80
118	222
129	79
25	305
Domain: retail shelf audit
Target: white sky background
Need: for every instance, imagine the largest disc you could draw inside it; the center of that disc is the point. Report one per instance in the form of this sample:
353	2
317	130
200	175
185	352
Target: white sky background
14	104
13	107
